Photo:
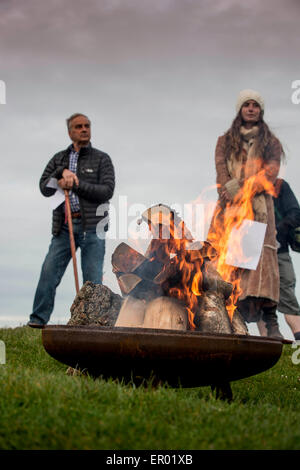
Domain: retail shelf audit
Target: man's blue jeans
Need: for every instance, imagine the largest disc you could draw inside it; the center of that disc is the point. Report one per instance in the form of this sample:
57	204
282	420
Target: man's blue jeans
56	262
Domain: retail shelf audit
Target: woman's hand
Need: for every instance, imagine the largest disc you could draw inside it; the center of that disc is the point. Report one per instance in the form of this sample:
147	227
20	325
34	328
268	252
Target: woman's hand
258	187
225	196
271	170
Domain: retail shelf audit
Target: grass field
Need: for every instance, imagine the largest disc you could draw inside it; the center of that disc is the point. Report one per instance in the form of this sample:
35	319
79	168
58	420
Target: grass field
41	407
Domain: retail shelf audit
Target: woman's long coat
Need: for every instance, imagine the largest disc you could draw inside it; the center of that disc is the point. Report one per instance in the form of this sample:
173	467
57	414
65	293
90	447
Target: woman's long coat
264	281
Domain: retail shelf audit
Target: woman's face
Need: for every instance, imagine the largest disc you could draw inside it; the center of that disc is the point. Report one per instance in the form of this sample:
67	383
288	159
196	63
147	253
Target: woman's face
250	112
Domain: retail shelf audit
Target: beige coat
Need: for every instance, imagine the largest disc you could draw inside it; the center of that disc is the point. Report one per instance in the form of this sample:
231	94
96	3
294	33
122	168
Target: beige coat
264	281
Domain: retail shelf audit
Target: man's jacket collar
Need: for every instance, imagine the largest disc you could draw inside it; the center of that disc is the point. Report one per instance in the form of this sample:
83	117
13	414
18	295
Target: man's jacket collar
83	151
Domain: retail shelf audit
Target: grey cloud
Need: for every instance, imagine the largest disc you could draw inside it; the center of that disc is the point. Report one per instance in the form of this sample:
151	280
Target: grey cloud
120	30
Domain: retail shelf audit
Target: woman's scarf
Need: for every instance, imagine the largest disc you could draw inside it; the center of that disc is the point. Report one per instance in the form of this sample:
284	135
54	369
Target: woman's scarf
248	163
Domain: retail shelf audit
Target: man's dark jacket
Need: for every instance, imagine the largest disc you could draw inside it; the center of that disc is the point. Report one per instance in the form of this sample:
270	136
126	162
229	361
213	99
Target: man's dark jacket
96	176
287	213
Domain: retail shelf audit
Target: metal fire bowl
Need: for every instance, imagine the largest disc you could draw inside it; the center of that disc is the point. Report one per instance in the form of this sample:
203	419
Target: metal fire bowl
185	358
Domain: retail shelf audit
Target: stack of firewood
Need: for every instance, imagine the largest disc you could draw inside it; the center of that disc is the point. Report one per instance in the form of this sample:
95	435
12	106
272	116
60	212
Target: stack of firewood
173	286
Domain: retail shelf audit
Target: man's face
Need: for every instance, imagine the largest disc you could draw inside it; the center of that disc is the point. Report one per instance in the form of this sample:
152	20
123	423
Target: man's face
80	130
250	112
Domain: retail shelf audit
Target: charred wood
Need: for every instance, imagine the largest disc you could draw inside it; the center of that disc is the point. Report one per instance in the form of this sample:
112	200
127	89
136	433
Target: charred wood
146	290
213	281
212	316
238	324
127	282
125	259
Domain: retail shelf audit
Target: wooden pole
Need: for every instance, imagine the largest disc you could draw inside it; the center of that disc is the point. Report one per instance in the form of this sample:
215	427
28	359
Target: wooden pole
72	242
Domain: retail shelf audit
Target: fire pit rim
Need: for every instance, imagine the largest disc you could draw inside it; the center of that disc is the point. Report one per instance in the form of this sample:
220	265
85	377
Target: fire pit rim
165	332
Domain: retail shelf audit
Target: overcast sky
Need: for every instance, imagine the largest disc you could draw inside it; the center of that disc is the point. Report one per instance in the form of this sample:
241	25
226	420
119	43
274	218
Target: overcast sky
159	80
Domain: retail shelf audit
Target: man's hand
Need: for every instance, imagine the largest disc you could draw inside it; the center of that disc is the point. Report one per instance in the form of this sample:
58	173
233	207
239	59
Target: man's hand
68	179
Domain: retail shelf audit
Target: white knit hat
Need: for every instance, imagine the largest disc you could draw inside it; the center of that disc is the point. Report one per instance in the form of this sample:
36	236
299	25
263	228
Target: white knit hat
246	95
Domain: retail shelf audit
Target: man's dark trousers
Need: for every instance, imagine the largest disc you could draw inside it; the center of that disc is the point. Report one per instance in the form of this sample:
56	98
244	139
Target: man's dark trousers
56	262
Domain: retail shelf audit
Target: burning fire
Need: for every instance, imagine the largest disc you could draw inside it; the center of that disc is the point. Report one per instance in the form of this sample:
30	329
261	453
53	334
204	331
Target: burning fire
193	274
223	223
232	217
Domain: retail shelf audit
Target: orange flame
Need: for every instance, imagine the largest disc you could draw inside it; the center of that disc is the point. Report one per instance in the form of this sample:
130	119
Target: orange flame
232	217
225	219
197	279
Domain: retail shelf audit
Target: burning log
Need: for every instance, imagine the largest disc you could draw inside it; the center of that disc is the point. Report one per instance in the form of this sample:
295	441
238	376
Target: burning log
160	250
132	313
213	281
166	313
128	282
185	291
212	316
147	290
127	260
200	250
171	270
138	288
238	324
138	279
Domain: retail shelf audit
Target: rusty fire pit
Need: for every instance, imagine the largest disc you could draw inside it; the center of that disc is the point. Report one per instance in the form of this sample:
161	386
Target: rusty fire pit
185	358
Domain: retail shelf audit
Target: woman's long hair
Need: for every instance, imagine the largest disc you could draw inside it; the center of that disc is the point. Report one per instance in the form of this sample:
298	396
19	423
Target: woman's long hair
234	143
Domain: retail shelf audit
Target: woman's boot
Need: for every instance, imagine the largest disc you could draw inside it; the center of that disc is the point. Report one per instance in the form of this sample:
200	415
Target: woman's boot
269	316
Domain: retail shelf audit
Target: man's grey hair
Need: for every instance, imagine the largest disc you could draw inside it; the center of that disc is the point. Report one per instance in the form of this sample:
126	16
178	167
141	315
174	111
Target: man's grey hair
75	115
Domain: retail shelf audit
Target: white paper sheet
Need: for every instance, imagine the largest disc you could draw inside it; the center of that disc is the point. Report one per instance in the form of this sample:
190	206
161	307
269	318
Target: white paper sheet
245	244
52	183
59	195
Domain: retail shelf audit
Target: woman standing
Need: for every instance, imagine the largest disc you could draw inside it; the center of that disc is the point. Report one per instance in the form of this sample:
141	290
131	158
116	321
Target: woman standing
249	151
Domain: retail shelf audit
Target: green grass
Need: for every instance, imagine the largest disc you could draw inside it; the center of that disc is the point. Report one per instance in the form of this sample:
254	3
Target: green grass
43	408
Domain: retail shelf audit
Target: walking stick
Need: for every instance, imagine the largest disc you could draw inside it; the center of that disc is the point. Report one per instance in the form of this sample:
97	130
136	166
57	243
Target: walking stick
72	242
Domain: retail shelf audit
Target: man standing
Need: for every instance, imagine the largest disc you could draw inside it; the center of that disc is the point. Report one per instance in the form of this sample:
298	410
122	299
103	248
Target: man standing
89	176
